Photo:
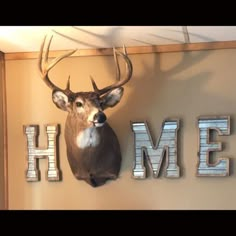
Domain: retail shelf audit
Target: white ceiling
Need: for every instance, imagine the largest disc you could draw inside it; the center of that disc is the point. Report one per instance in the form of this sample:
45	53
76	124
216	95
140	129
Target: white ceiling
29	38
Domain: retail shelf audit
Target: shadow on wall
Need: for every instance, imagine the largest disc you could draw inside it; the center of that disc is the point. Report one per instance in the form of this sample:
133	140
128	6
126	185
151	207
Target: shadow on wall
109	38
151	83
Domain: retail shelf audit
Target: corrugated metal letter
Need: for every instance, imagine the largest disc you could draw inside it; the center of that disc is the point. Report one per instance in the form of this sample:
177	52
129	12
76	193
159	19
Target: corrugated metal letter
32	133
166	145
222	126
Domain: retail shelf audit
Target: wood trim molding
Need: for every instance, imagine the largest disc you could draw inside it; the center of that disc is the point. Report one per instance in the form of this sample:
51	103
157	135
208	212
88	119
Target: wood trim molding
4	124
131	50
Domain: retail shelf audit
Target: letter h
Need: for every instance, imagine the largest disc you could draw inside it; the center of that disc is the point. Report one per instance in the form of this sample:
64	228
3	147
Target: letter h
34	153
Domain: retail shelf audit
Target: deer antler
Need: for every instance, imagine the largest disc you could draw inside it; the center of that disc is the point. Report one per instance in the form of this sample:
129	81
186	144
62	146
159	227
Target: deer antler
129	71
44	66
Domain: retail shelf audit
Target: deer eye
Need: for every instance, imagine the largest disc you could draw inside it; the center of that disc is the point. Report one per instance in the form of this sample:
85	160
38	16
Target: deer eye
79	104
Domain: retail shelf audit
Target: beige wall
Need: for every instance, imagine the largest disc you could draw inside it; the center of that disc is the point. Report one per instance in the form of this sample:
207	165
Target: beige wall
2	170
179	85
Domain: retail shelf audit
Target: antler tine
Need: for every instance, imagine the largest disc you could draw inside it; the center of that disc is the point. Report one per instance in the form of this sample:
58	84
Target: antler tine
95	88
47	51
57	59
41	56
117	65
125	52
68	84
128	76
129	67
45	67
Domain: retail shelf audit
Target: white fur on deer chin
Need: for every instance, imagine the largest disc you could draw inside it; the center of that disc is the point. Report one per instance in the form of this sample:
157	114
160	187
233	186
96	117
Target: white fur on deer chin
88	138
98	124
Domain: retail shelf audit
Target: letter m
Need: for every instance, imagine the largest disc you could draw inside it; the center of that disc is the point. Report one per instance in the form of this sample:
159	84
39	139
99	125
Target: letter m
166	146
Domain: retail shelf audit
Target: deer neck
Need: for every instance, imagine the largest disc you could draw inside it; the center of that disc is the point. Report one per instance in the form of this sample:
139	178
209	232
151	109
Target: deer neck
88	137
83	136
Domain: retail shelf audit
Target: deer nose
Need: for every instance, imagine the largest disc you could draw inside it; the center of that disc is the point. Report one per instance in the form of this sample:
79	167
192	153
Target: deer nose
100	117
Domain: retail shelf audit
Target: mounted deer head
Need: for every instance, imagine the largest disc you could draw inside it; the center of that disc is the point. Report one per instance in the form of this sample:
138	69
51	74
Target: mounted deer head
93	150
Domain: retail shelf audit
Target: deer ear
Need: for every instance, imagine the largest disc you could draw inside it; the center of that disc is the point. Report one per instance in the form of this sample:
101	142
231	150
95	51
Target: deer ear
112	98
60	99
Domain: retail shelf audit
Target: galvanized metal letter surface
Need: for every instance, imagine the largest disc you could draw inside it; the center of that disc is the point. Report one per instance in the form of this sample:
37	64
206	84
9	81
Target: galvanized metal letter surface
222	125
32	133
166	145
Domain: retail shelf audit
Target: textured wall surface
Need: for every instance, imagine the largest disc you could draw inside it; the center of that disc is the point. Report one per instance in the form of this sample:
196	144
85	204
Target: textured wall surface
2	183
169	85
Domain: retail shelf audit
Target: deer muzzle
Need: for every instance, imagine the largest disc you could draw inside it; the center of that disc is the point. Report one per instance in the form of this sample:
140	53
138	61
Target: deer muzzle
99	119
